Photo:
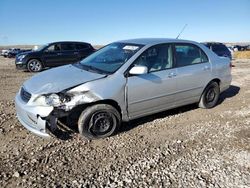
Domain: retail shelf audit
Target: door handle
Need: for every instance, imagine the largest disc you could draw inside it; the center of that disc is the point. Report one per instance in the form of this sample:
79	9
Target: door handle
206	68
59	53
172	74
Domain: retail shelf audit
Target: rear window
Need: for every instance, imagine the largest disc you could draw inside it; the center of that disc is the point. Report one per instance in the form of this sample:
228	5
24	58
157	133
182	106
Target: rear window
188	54
219	47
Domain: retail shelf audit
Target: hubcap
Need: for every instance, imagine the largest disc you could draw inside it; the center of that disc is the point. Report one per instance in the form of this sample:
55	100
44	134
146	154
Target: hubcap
101	123
35	65
210	96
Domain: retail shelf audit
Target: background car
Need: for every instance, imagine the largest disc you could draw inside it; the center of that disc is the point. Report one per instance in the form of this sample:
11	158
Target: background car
14	52
219	48
5	53
53	55
239	48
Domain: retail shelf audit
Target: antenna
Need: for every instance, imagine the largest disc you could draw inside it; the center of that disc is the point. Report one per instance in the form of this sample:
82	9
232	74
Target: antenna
182	31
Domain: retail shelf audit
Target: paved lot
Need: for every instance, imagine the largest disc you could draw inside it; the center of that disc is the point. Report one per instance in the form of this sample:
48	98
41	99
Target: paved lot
185	147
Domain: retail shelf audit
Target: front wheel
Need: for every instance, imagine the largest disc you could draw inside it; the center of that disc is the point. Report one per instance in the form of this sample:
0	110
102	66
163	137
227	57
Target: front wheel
34	65
99	121
210	96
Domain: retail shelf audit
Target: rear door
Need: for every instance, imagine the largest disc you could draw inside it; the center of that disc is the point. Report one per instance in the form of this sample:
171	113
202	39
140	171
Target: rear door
84	50
154	91
69	53
193	72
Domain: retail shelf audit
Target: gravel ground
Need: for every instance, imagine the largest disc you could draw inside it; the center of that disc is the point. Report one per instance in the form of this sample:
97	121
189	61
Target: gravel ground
184	147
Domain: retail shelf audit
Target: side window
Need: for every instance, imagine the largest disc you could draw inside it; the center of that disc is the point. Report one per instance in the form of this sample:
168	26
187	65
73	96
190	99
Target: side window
54	47
68	46
187	54
81	46
204	57
156	58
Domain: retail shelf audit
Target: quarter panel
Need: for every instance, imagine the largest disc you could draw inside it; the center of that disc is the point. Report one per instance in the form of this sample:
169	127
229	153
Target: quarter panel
191	81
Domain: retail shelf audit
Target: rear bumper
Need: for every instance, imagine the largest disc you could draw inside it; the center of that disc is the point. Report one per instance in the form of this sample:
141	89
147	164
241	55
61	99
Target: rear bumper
30	117
225	84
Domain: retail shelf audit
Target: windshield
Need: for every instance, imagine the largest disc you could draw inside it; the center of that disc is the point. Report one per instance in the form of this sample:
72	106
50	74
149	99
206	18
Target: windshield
110	58
38	48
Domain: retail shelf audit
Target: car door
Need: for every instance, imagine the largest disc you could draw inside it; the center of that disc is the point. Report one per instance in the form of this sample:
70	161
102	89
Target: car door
83	50
52	55
69	53
154	91
193	73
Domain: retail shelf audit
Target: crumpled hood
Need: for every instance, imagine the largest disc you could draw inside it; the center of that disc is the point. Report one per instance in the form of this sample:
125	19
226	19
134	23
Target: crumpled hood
58	79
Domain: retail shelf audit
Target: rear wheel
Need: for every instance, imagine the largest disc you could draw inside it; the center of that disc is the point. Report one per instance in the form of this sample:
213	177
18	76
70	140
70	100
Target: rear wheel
34	65
210	96
99	121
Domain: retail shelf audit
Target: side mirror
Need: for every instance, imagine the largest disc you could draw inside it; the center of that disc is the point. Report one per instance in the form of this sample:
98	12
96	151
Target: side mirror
137	70
46	51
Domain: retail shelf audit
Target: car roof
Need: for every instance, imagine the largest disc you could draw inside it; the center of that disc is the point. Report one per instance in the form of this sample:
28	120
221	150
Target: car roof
151	41
69	42
213	43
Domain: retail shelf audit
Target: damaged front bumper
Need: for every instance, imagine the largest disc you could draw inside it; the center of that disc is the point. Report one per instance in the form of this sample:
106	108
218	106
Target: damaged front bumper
33	118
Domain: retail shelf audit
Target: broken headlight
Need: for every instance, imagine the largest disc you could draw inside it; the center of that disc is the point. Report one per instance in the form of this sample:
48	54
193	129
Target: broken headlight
54	100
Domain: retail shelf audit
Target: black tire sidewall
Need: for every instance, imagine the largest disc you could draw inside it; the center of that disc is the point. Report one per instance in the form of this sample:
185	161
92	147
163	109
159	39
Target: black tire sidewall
83	122
28	65
203	102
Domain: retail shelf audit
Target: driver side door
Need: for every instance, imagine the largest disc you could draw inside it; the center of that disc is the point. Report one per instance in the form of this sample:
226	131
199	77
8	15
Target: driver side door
152	92
53	56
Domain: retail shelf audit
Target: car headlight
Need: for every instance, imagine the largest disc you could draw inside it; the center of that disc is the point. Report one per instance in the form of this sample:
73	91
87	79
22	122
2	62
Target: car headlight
54	100
20	57
40	101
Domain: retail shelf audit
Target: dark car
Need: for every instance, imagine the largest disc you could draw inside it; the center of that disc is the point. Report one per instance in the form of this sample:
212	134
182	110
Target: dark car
239	48
52	55
219	48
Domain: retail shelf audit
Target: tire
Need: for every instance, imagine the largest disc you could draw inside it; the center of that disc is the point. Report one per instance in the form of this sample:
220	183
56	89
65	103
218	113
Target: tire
210	96
99	121
34	65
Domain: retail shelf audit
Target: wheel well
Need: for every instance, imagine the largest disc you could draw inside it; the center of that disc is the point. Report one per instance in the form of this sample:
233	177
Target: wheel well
106	101
217	80
110	102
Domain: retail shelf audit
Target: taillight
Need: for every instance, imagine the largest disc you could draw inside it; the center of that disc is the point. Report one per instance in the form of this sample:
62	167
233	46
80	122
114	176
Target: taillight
231	65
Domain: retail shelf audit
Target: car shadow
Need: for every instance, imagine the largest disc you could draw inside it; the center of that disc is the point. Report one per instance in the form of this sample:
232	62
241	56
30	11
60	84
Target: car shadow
126	126
229	93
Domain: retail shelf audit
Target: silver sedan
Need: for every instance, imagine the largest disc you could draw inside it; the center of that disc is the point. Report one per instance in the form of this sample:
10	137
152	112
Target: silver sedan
122	81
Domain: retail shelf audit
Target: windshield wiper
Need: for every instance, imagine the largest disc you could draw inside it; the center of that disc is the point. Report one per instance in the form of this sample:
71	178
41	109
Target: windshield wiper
93	69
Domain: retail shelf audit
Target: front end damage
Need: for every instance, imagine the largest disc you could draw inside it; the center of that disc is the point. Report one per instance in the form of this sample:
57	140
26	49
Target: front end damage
41	113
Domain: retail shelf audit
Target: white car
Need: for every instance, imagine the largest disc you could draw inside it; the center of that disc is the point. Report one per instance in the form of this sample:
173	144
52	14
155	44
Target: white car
5	53
122	81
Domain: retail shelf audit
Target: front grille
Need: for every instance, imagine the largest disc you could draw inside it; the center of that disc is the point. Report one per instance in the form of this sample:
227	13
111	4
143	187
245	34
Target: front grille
25	96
